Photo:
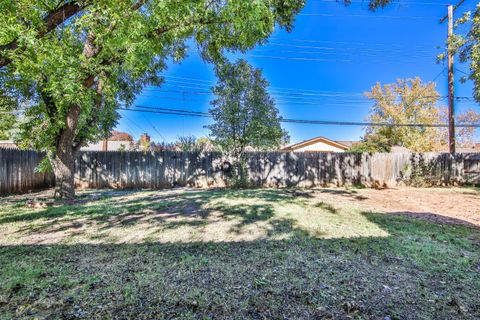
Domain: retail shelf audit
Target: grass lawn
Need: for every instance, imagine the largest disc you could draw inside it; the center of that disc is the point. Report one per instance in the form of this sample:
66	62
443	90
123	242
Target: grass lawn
224	254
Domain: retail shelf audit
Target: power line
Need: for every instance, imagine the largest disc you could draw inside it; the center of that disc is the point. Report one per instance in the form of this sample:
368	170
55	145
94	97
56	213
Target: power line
201	86
298	58
179	91
384	124
179	113
293	92
387	45
402	3
377	61
301	121
154	128
130	130
381	58
454	9
283	94
185	78
345	53
173	110
131	121
329	15
354	50
461	71
314	101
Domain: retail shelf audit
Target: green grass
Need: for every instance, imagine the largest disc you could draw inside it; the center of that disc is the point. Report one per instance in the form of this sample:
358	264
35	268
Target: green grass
231	255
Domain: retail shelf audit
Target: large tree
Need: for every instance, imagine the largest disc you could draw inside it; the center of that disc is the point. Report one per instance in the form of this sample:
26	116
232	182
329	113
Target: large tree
7	115
243	112
75	61
468	47
410	101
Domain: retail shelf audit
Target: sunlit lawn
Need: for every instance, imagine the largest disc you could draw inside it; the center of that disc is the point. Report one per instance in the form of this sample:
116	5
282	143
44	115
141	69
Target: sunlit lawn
193	254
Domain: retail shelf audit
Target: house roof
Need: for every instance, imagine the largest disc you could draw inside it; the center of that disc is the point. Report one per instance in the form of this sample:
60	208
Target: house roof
344	145
346	142
111	145
472	148
8	144
399	149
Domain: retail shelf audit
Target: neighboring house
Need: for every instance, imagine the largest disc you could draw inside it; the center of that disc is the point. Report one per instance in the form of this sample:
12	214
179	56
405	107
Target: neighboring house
472	148
320	144
8	144
118	141
120	136
399	149
107	145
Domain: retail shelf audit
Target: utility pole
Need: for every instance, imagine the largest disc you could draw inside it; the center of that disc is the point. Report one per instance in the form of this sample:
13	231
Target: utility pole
451	87
451	92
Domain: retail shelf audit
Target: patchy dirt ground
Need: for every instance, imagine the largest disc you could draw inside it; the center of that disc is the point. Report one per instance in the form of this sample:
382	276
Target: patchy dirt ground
241	254
445	205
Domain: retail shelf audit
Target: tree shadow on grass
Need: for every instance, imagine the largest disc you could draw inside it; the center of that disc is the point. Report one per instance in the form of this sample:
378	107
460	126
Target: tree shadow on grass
300	277
95	207
166	209
437	219
326	206
246	213
344	193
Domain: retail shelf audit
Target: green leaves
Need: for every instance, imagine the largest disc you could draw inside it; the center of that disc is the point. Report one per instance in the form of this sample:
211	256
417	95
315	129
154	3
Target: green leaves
127	46
468	46
243	111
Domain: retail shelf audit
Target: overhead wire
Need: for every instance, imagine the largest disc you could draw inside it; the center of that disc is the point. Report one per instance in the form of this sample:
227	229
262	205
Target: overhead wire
286	93
399	3
184	112
305	96
301	121
329	15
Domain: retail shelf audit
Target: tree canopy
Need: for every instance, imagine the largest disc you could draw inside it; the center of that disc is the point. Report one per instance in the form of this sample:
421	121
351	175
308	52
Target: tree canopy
71	64
468	47
410	101
243	112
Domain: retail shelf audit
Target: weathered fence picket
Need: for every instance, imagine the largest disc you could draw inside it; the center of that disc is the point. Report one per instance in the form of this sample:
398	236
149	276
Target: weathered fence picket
264	169
18	174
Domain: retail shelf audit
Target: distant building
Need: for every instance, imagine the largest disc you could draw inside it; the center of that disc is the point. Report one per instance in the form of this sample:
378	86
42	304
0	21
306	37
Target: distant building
320	144
8	144
472	148
118	141
120	136
107	145
399	149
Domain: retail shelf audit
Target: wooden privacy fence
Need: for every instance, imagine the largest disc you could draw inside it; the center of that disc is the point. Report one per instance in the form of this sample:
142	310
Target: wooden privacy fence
18	174
264	169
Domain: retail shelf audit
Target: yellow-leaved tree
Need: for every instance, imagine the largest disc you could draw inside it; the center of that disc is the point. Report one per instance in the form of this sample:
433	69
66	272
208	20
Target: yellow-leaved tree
410	101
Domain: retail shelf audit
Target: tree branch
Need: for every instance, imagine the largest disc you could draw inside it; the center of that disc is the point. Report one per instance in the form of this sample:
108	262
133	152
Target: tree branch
51	21
47	99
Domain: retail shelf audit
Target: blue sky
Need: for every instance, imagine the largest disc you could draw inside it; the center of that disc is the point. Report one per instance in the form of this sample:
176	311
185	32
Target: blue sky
318	71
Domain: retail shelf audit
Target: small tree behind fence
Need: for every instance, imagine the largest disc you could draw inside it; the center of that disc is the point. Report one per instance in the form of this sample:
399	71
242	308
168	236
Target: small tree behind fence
263	169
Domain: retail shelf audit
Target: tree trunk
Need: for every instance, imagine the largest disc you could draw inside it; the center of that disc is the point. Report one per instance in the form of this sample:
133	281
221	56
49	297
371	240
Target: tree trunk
64	158
63	168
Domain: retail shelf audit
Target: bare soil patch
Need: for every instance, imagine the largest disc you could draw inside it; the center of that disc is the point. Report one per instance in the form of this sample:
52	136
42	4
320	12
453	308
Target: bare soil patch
443	205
